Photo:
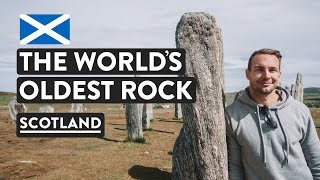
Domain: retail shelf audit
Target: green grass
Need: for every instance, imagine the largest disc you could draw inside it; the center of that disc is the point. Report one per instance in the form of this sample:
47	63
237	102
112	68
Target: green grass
312	100
230	98
5	99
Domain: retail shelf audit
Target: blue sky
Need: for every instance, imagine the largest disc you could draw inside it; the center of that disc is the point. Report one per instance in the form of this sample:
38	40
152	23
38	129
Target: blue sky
291	26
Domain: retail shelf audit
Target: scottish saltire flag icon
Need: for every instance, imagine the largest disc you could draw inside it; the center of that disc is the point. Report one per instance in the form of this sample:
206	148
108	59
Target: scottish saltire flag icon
44	29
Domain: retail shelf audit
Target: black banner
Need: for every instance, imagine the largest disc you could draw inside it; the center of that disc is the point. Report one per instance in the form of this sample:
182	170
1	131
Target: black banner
60	125
106	90
100	61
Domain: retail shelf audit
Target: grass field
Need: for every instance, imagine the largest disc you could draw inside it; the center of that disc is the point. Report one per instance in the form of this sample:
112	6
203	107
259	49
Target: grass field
110	157
312	100
5	98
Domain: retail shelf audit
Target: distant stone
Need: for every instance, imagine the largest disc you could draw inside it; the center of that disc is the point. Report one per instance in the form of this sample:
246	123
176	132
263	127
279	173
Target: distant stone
298	93
287	89
293	88
150	111
147	115
46	109
134	121
177	111
76	108
15	108
165	106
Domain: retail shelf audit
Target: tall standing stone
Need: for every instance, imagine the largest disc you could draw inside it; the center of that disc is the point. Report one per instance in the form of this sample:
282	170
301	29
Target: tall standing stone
134	121
200	151
293	88
298	93
287	89
150	110
76	108
177	111
15	108
147	115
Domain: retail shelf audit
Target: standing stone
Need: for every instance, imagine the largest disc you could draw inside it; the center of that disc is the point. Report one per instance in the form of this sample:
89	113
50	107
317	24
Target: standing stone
76	108
292	90
238	95
150	110
134	121
298	93
46	109
287	89
165	106
200	151
147	115
177	111
15	108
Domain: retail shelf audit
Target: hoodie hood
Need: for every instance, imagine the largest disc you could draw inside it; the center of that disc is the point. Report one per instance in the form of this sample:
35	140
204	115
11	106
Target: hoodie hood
285	98
257	149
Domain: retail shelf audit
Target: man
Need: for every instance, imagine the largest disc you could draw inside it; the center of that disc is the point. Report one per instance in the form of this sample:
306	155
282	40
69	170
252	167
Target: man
270	135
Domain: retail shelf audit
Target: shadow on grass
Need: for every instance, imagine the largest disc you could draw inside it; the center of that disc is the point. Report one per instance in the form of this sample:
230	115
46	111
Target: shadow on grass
115	124
155	130
166	120
120	129
112	140
146	173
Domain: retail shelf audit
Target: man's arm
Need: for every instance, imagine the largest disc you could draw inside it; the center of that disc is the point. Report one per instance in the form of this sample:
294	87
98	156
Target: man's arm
235	166
311	148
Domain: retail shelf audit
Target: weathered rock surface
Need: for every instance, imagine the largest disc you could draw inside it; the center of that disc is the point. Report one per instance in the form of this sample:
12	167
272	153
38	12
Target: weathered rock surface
134	121
15	108
200	151
46	109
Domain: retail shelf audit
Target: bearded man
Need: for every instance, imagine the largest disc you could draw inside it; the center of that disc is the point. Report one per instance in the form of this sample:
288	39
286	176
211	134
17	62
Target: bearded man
270	135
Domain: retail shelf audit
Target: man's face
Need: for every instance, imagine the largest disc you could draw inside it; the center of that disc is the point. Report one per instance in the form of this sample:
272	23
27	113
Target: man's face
264	74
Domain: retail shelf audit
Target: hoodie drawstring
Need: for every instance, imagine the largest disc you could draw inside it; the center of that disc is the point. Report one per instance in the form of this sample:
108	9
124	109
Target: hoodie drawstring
287	151
261	135
286	138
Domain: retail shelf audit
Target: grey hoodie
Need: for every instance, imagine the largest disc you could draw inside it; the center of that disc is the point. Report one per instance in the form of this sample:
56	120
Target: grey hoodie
257	150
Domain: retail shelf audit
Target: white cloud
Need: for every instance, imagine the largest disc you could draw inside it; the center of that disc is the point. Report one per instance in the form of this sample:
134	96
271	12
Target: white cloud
234	63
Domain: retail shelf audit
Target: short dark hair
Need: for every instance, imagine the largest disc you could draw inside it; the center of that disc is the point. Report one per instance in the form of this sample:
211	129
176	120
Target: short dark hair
265	51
